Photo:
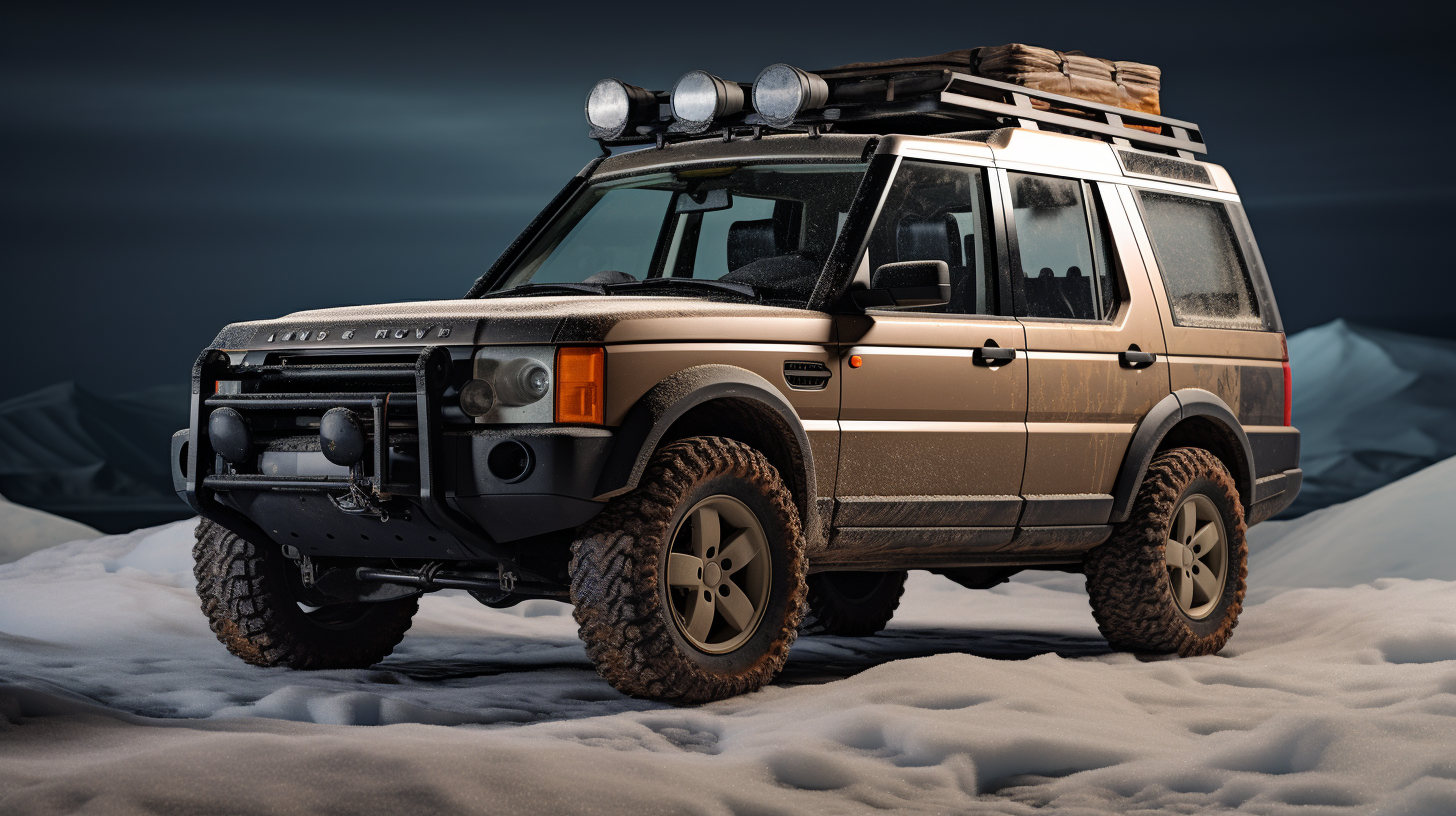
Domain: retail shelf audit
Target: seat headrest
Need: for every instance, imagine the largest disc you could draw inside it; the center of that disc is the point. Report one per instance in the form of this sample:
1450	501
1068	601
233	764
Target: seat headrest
749	241
934	239
1074	272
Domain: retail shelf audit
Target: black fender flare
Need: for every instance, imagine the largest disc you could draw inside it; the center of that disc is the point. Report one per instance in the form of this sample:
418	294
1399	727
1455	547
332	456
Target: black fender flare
1164	416
663	404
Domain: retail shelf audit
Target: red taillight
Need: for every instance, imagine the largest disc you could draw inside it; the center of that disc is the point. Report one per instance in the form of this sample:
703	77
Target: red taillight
1288	384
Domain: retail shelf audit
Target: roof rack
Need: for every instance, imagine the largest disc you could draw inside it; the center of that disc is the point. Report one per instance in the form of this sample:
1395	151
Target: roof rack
939	102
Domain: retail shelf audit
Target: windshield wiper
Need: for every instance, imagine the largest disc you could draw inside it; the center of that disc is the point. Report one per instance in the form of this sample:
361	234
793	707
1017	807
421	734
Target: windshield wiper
740	289
547	288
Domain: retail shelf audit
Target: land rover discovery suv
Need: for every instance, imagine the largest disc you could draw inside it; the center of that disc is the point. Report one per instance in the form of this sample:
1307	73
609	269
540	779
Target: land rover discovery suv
739	377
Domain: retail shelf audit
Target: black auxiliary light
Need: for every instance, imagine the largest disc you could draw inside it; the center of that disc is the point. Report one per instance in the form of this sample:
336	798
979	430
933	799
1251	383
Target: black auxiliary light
340	437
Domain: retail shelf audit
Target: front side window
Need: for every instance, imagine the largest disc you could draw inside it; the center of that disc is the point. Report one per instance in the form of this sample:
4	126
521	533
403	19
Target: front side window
1206	277
764	229
937	212
1066	269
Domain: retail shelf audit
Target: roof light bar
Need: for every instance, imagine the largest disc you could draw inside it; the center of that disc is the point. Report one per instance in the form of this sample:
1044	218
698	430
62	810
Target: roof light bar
613	107
699	98
782	92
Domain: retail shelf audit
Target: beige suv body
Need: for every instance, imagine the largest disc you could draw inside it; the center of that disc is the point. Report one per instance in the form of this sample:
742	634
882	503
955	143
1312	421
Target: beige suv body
1105	307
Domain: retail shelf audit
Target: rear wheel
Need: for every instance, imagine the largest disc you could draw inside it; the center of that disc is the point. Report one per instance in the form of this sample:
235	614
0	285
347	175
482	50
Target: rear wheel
256	605
852	604
1171	579
690	588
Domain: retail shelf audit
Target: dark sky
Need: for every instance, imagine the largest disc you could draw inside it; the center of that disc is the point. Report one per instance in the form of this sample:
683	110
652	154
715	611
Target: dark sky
164	171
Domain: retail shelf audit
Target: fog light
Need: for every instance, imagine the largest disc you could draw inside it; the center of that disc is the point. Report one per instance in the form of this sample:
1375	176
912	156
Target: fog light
510	461
782	92
699	97
340	437
229	434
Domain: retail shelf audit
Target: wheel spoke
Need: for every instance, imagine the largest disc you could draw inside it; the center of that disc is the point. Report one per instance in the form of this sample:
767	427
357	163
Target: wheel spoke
684	570
740	549
1206	539
1207	582
1185	589
1187	521
736	607
700	615
705	531
1173	553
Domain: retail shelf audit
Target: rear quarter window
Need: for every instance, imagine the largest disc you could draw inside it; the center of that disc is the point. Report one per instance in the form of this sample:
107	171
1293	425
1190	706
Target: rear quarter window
1207	278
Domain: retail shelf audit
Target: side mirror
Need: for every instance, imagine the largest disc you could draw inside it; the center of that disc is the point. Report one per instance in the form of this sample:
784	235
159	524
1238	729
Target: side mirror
907	283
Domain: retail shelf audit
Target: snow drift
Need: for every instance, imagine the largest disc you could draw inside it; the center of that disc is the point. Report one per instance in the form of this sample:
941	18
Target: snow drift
24	531
1371	406
1334	699
99	460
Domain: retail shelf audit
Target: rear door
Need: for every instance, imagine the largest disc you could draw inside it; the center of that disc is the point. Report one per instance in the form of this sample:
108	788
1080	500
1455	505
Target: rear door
1095	346
933	432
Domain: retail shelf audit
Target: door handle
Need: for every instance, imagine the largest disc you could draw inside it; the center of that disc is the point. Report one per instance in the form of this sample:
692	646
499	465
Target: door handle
993	355
1132	358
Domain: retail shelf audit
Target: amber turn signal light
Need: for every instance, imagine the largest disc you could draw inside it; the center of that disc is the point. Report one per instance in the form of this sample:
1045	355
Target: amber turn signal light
581	384
855	361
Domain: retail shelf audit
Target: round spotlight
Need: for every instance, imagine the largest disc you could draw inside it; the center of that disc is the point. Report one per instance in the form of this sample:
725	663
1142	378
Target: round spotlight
699	97
613	106
522	382
477	398
229	434
340	437
782	92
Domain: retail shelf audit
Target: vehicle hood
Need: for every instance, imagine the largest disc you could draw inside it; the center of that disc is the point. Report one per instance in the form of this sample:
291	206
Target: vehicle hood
530	320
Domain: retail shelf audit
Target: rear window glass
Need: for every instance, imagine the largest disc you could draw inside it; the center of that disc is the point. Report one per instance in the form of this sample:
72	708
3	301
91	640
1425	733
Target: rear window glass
1206	277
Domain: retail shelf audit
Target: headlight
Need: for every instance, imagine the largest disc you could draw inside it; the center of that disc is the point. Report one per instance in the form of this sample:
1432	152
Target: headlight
522	382
782	92
699	97
613	106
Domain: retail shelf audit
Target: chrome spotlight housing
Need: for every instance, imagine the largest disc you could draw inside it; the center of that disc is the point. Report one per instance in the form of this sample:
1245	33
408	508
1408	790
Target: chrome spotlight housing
699	98
782	92
613	107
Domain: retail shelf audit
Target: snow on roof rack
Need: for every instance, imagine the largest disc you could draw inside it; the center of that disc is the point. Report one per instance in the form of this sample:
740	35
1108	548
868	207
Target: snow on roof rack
930	103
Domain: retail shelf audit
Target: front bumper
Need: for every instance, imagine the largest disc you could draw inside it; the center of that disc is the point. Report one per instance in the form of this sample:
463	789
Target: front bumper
424	488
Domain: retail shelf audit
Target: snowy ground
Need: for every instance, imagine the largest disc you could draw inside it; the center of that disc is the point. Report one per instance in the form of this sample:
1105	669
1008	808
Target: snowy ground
1335	698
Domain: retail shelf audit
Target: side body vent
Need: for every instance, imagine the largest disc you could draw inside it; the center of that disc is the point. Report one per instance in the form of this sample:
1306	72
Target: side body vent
1164	167
806	375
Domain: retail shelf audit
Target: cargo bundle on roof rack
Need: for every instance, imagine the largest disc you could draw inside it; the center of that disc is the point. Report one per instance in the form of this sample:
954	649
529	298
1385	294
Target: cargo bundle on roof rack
1015	85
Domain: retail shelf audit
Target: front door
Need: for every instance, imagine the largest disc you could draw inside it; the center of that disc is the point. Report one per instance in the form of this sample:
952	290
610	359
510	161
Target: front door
933	430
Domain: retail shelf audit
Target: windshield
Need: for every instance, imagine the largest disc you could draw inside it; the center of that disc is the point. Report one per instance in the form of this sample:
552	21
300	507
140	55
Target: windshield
754	231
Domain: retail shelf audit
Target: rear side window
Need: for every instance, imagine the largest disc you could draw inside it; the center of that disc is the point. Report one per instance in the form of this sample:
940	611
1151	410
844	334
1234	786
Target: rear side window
1065	257
1207	278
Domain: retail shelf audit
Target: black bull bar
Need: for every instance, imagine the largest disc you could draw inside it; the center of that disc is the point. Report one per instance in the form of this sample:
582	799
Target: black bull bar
380	398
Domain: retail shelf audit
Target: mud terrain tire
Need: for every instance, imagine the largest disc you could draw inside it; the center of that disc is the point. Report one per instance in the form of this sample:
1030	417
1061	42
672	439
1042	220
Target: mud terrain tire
627	605
852	604
246	595
1129	581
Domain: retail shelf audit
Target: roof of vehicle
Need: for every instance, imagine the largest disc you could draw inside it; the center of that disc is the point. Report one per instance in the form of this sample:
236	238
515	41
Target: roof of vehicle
1012	147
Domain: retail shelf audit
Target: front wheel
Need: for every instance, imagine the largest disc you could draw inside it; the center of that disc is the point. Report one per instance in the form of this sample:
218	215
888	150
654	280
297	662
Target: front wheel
251	596
1171	579
690	588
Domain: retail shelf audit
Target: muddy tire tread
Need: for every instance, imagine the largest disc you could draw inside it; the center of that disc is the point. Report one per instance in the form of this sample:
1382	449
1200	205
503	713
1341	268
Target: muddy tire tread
1127	583
825	612
614	570
249	614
